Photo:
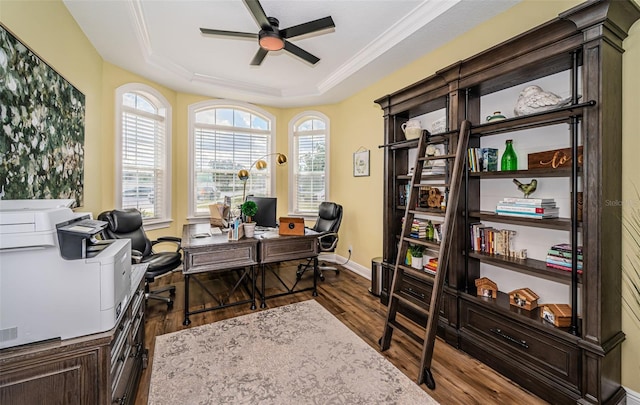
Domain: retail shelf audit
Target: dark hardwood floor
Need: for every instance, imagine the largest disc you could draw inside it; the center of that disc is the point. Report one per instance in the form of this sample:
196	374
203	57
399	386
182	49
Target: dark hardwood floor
460	379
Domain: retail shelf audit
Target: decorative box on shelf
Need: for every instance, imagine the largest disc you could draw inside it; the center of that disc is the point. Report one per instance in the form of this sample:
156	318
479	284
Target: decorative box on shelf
524	298
557	314
486	288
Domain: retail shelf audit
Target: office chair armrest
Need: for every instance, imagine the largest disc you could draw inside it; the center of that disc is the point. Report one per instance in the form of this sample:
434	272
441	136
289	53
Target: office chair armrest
333	244
169	239
136	256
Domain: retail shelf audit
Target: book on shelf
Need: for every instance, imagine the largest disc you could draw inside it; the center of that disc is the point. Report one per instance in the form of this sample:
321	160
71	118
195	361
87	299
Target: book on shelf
561	254
432	265
526	214
565	268
482	159
559	261
566	247
532	209
528	201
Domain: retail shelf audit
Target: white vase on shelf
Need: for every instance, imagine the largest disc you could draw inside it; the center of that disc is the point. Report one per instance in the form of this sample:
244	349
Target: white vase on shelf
416	262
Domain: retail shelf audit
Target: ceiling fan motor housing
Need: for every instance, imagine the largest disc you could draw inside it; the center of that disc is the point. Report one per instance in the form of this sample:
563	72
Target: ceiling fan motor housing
270	39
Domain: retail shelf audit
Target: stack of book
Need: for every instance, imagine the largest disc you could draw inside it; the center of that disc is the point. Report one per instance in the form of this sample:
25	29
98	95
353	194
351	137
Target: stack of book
559	257
536	208
418	229
432	265
483	159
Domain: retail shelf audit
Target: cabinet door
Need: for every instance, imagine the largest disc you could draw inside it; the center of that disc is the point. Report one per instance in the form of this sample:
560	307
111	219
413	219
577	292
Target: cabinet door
72	379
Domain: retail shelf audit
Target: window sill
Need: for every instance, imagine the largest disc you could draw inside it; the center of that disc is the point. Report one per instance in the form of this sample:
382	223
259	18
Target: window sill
152	224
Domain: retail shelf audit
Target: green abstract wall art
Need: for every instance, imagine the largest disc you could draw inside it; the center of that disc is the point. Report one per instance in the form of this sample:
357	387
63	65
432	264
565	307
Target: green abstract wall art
41	127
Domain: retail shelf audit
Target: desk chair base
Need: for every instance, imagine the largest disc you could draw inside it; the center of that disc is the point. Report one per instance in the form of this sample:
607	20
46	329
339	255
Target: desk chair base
321	267
155	294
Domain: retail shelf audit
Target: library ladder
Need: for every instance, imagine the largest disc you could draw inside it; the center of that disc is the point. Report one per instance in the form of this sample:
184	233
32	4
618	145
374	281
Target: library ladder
397	297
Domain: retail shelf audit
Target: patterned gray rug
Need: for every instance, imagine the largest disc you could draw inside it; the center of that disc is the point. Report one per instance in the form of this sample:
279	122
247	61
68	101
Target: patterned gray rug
296	354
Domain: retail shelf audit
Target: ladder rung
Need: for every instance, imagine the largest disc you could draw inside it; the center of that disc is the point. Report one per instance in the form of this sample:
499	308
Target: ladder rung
432	185
422	275
398	326
411	301
429	158
427	211
423	242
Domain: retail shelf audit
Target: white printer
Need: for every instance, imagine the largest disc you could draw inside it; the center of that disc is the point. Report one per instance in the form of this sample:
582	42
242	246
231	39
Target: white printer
44	295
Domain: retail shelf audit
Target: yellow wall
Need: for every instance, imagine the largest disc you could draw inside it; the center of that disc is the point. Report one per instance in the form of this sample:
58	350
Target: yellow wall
356	122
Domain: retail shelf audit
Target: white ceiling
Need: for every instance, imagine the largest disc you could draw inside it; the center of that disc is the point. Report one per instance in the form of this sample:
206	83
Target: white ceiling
161	40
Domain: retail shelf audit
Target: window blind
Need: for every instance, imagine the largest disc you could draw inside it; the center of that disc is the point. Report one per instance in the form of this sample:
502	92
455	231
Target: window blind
309	171
143	162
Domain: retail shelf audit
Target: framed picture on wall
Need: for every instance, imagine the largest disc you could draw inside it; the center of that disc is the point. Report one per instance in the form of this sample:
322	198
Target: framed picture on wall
42	150
361	163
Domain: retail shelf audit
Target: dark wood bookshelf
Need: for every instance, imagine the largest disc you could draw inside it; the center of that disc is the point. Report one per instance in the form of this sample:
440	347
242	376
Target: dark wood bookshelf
563	224
558	365
530	266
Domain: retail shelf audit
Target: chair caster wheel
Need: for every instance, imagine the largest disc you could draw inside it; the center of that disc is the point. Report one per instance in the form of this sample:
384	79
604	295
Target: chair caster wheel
172	292
321	278
298	276
170	305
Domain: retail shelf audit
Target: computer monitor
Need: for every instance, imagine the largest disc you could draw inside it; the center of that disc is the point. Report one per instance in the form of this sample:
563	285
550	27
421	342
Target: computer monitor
266	215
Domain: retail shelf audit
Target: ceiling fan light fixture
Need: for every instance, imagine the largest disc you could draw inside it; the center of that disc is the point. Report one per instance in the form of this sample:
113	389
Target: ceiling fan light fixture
270	41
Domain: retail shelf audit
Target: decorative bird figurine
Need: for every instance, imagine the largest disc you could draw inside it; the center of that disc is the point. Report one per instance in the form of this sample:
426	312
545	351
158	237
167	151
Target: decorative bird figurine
533	99
527	189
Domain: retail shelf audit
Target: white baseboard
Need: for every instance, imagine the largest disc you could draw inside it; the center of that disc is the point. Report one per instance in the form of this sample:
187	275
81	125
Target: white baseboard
633	398
351	265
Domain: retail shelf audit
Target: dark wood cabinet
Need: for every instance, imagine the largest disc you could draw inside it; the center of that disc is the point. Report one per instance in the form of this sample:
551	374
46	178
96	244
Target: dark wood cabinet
577	55
104	368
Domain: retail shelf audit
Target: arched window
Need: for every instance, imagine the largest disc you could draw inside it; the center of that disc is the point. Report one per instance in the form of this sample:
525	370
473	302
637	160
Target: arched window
225	137
143	170
309	168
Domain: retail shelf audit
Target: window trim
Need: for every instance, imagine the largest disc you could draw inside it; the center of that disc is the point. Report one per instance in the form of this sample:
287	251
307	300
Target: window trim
221	103
295	121
155	96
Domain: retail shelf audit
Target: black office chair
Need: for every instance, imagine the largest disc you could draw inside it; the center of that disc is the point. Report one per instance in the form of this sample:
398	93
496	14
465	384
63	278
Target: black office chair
327	224
127	224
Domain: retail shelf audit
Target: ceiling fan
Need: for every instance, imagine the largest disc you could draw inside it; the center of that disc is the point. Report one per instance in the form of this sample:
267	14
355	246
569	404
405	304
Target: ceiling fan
272	38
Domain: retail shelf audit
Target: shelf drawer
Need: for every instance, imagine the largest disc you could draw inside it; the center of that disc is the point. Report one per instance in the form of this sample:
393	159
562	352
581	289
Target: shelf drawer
422	291
506	339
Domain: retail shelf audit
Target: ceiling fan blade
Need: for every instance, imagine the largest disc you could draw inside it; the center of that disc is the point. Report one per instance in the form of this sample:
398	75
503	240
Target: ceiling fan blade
259	14
301	53
257	60
306	28
229	33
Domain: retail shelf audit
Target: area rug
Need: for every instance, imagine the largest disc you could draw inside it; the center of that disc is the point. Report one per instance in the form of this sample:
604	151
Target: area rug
296	354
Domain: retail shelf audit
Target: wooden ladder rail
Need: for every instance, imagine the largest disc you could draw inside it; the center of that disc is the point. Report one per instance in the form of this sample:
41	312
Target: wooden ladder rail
432	310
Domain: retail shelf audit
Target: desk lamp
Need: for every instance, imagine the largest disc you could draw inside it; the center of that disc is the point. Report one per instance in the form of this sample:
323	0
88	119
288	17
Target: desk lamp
260	164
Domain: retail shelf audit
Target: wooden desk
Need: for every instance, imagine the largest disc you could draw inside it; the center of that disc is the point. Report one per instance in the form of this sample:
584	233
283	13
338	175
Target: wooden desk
216	253
283	248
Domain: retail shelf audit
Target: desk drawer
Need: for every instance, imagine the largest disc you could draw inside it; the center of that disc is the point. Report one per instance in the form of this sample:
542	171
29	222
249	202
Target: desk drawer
507	339
220	258
287	248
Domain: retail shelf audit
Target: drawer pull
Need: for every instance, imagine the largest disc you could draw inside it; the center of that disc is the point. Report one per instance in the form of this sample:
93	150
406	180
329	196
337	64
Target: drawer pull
415	293
503	335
